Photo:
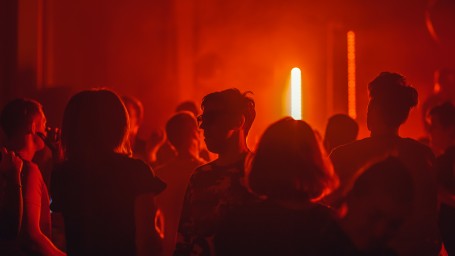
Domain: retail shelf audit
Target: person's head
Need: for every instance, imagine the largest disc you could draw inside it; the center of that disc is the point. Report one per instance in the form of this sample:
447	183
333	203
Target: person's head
391	99
135	111
340	129
182	131
23	122
442	126
188	106
226	115
290	163
378	203
94	122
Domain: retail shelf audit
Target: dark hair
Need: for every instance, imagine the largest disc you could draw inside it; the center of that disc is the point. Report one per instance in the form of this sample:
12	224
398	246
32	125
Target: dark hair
136	104
445	114
180	128
234	102
94	122
188	106
17	116
289	162
340	129
389	177
391	98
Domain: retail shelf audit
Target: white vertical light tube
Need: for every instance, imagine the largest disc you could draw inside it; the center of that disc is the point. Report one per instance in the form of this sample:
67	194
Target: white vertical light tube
351	75
296	94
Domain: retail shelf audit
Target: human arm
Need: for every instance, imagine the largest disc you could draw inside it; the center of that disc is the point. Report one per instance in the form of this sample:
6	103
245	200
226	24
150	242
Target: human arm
32	237
148	240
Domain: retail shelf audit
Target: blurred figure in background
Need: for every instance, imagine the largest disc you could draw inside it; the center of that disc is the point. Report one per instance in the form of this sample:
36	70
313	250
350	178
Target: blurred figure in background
391	99
105	196
341	129
444	90
183	133
442	139
162	150
24	124
289	172
217	187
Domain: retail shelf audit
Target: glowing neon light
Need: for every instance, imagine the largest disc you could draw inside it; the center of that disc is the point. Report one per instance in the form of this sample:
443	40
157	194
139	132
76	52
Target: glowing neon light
296	94
351	75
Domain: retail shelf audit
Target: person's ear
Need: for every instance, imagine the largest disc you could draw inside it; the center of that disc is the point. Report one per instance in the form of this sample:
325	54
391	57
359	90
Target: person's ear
239	122
33	128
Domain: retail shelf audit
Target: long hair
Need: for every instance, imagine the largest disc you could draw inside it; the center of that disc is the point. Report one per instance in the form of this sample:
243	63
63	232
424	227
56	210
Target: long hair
290	163
94	122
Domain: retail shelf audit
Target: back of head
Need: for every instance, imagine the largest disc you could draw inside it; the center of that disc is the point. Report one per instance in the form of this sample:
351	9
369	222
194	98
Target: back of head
341	129
181	129
379	202
388	178
289	163
17	116
94	122
391	99
233	102
188	106
445	113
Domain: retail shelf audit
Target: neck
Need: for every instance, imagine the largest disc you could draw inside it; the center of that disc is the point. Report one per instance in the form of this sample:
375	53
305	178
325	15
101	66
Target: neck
188	154
390	132
236	150
22	146
26	153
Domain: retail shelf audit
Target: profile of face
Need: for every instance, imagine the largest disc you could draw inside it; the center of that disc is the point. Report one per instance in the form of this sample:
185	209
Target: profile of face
218	127
39	127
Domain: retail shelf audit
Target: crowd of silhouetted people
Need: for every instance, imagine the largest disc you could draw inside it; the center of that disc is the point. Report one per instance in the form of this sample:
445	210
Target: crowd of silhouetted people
195	187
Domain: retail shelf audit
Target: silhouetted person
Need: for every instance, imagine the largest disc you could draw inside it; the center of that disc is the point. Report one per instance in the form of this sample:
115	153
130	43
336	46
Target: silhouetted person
217	187
376	206
193	108
11	203
290	172
24	123
164	149
183	133
444	91
442	138
391	99
341	129
106	198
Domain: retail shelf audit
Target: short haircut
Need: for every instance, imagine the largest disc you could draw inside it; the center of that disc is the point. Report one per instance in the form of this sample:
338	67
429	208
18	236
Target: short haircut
94	121
340	129
445	113
136	104
180	129
234	102
392	97
290	163
17	116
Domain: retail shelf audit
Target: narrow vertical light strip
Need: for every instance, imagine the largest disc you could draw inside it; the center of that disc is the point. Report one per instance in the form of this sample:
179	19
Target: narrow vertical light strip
351	75
296	94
